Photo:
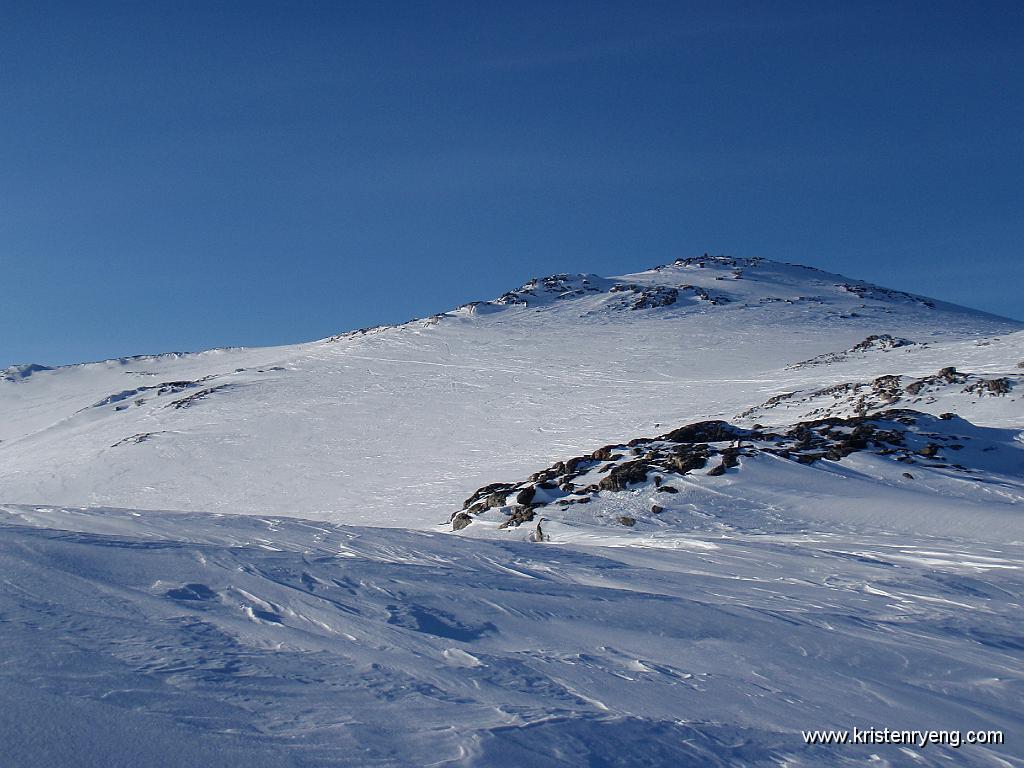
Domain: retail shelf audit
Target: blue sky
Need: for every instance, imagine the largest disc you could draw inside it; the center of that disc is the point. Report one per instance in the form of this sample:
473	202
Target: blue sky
184	175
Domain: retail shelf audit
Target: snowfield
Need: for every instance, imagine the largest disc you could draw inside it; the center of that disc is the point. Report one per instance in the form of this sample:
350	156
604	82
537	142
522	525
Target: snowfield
144	638
246	556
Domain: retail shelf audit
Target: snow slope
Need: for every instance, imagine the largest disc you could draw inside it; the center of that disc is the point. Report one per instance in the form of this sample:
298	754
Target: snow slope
395	426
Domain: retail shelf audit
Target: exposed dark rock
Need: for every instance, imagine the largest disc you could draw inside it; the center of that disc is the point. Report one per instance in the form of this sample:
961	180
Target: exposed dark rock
188	402
526	495
705	432
882	341
519	516
904	435
1001	386
134	439
686	462
655	509
626	520
461	520
488	491
573	465
624	474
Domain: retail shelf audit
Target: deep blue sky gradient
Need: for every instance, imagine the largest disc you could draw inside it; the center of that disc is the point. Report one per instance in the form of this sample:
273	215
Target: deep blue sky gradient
182	175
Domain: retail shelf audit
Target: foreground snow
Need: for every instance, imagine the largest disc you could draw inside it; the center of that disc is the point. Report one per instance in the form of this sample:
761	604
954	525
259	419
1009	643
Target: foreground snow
148	638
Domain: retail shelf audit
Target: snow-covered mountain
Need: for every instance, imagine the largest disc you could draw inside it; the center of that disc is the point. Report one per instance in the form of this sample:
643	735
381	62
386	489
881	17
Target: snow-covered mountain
397	425
668	518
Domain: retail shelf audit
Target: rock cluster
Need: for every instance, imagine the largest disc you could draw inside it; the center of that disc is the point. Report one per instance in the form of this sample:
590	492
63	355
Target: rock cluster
862	398
716	447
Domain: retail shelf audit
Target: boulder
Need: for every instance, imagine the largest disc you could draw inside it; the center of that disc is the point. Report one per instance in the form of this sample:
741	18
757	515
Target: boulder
624	474
705	432
526	495
687	462
519	516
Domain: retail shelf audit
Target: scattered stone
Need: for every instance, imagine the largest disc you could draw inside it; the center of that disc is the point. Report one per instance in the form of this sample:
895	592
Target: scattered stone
994	387
519	516
626	520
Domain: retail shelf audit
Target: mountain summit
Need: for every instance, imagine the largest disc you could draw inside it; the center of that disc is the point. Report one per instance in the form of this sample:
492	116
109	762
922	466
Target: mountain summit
397	425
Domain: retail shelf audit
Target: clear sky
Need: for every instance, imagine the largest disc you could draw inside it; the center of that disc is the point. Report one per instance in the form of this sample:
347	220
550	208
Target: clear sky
182	175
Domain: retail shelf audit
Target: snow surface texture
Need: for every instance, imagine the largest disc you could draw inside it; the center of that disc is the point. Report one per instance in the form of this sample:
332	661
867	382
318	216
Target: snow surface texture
142	638
187	576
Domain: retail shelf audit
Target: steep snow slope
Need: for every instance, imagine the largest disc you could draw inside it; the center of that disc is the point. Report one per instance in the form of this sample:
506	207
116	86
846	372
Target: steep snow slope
395	426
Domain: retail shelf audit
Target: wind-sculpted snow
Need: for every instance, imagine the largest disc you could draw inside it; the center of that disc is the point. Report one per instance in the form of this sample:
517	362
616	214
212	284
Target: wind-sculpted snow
166	639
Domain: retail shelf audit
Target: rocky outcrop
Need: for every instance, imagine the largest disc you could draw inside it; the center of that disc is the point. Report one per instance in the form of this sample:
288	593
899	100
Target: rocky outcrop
883	342
711	450
884	392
